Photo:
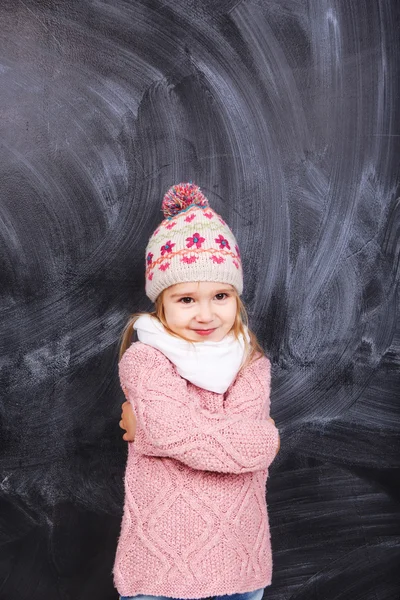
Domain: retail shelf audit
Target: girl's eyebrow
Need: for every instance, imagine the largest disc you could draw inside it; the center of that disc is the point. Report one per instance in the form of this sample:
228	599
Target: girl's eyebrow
182	295
214	293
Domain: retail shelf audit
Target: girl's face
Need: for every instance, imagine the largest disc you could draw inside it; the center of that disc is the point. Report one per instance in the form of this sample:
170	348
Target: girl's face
200	310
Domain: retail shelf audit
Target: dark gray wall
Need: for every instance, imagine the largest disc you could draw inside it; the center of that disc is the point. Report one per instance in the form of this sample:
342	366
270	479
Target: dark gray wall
286	114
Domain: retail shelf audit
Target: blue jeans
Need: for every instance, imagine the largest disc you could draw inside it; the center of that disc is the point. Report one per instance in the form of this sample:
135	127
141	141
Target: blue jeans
256	595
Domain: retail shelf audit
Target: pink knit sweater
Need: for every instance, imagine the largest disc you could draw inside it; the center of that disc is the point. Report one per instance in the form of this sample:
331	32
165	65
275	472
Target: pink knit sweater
195	520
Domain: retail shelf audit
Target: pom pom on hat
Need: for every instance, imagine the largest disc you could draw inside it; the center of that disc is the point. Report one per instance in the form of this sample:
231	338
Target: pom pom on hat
180	197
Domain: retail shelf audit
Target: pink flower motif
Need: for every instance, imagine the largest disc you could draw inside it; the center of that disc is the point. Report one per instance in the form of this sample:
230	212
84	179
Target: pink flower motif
171	225
156	231
217	259
165	266
237	250
189	259
151	276
149	258
196	239
190	218
209	215
223	243
167	248
236	264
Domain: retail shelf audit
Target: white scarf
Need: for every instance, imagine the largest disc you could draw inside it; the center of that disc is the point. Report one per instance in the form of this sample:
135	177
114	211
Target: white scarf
212	366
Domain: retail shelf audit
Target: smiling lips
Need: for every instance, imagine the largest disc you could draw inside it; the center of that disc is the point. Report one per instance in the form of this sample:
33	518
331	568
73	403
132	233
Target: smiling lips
204	331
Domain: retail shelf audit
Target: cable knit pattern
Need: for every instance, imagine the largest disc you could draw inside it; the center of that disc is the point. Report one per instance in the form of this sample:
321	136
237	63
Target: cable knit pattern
195	520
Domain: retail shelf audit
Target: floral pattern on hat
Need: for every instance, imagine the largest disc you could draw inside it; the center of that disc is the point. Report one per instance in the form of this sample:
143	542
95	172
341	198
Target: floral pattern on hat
223	243
167	248
195	240
217	259
189	259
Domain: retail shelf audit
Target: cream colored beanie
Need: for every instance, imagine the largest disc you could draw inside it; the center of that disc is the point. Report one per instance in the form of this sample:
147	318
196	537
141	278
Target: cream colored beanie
193	243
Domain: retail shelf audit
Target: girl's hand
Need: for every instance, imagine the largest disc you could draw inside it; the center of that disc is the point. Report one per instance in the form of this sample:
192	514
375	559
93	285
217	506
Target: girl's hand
128	422
279	438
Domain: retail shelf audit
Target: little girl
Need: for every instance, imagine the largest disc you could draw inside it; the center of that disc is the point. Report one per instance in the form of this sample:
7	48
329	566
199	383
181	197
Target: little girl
195	522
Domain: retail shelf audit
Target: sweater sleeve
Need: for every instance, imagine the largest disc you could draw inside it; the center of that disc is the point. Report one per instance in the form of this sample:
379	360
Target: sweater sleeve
171	423
249	394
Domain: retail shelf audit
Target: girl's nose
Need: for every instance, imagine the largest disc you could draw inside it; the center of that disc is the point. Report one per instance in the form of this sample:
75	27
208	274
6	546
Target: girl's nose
204	314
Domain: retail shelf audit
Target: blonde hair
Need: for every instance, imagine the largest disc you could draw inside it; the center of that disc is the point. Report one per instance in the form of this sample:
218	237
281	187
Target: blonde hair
253	349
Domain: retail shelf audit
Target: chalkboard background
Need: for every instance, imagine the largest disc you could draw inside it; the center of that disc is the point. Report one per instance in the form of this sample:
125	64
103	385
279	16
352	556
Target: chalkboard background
286	114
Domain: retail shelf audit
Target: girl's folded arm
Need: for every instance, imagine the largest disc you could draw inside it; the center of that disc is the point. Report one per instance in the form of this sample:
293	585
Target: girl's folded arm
171	423
250	392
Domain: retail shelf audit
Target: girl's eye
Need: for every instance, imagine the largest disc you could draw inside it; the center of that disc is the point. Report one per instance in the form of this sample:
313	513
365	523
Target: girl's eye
186	300
221	296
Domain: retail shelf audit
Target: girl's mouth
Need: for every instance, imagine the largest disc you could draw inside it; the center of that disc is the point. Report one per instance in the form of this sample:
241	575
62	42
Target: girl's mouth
204	331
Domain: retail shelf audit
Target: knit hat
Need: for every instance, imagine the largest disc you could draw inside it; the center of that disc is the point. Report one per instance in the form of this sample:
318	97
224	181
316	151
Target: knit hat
193	243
